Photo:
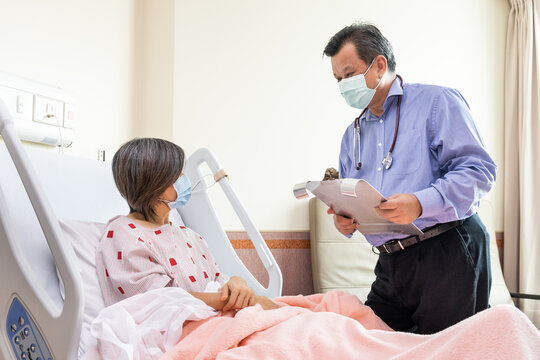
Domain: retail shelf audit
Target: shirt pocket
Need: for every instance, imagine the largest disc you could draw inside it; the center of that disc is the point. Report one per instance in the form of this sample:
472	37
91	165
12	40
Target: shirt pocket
407	154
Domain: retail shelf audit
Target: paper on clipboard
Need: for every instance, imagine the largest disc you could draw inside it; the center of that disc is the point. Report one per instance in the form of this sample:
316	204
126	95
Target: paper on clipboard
354	198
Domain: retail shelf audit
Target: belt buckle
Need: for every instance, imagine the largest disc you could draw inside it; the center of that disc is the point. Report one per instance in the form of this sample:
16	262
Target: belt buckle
385	248
400	245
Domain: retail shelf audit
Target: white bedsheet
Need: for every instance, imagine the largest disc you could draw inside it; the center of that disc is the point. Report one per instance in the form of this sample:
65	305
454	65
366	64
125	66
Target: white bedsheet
145	326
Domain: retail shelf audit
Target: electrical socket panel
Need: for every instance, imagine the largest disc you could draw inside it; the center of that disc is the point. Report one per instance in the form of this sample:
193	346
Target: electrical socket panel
48	111
42	113
101	155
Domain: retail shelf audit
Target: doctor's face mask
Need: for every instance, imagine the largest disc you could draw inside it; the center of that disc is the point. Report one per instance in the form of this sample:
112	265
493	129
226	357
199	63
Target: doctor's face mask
355	90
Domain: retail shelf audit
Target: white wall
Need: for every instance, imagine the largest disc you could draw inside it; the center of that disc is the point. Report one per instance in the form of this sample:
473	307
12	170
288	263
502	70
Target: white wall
251	84
154	69
248	78
84	47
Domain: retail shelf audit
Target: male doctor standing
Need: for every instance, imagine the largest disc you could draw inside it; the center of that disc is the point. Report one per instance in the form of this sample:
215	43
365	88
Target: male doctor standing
418	145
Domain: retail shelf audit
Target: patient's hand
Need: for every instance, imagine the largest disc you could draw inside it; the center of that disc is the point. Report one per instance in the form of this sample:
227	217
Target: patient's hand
239	294
266	303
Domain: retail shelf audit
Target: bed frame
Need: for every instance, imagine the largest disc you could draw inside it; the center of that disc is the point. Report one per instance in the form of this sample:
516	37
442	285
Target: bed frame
39	187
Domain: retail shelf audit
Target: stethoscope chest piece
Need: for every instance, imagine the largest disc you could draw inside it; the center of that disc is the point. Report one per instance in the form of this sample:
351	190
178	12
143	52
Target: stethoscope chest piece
387	161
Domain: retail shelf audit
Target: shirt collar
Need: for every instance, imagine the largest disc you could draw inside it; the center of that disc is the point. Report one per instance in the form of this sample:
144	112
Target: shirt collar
395	91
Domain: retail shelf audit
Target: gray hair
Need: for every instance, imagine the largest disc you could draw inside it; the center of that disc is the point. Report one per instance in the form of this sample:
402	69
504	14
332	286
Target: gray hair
368	41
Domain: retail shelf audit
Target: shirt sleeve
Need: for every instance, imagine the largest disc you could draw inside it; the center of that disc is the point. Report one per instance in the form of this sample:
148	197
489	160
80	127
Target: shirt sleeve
467	172
130	267
209	262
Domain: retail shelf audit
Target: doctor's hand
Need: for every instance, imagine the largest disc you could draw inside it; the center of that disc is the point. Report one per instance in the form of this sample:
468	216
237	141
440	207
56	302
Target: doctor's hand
400	208
238	293
344	225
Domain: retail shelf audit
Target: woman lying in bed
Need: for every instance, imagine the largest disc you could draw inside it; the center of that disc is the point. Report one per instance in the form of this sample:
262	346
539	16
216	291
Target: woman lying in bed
142	251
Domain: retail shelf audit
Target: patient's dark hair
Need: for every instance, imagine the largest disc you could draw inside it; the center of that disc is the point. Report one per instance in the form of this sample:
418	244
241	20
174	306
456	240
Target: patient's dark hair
368	41
143	169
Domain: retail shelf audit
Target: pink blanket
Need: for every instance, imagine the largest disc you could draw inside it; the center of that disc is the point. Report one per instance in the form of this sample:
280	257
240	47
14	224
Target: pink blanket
337	326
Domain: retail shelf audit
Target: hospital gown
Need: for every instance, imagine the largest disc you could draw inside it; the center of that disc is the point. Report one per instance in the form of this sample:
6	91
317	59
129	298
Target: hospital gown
133	259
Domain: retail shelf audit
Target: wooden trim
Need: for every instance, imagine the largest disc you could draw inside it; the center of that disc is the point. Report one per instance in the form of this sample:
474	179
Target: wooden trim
274	239
271	235
296	239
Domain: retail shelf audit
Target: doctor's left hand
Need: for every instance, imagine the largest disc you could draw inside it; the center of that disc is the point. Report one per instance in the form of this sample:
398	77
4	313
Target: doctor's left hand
400	208
239	294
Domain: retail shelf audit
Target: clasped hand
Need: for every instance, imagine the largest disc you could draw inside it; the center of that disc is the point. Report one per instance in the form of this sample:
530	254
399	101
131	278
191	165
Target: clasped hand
240	295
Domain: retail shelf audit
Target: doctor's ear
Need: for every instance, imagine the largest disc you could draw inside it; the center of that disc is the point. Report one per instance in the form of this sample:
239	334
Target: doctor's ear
380	65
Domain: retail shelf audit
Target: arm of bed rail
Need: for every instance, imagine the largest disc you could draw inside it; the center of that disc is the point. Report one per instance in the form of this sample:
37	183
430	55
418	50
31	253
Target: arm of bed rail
226	253
23	284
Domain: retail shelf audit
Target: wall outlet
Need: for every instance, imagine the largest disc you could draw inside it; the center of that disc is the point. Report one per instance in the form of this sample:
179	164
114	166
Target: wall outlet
101	155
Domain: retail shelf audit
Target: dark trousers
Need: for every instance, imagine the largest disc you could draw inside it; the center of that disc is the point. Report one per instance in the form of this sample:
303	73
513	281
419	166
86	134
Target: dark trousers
434	284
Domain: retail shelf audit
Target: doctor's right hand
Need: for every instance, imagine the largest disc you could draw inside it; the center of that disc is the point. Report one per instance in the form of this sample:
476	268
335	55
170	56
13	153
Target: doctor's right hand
345	225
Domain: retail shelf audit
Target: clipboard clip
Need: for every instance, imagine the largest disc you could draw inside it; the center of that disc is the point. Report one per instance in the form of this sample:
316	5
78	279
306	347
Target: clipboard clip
348	187
300	191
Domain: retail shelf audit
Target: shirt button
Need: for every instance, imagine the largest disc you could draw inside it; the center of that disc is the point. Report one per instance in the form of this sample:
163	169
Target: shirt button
380	121
378	169
379	144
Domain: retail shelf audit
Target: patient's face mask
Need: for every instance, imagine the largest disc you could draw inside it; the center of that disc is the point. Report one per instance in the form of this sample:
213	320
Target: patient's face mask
183	192
355	90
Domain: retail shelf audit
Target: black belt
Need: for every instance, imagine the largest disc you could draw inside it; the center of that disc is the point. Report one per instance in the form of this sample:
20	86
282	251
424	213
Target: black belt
393	246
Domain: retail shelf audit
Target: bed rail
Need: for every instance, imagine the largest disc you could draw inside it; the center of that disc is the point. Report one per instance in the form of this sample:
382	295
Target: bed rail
226	257
23	299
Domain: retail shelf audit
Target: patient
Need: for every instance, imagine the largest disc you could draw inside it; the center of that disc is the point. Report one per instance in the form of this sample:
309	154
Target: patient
143	250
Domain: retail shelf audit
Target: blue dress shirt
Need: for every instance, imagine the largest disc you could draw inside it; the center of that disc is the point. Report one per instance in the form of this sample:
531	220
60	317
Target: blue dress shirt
439	155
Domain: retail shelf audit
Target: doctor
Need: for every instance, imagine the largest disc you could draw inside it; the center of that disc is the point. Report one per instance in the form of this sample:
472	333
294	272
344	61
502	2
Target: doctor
418	145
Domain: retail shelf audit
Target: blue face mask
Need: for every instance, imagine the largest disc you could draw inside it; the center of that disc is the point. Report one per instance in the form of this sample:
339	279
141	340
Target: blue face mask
183	192
355	90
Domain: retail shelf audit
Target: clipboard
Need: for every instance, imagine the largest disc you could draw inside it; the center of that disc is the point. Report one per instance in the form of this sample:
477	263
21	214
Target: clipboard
354	198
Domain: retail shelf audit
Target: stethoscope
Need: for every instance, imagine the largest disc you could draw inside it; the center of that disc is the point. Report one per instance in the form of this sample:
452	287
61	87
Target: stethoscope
387	161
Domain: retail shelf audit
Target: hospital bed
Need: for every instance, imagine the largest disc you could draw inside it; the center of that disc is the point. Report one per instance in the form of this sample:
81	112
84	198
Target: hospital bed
48	201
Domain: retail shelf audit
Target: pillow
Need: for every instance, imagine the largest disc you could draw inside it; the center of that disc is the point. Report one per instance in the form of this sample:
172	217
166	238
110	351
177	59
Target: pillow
84	236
